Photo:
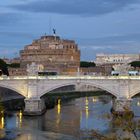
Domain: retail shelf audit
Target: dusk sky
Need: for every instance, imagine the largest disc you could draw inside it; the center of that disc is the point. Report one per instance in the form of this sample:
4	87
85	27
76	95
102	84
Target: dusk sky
98	26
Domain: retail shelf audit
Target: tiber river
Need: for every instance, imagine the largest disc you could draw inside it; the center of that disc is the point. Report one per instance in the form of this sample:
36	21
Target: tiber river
73	120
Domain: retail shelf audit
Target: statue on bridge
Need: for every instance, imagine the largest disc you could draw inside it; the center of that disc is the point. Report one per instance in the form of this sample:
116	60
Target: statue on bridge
33	69
122	68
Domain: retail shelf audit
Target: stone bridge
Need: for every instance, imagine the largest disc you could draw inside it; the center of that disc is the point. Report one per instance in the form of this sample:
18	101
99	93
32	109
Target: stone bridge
34	87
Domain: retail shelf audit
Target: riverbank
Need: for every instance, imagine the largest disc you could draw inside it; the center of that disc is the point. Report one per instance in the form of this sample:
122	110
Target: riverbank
25	133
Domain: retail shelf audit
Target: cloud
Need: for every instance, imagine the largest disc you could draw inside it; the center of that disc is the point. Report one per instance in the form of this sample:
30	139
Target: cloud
94	47
76	7
118	40
7	51
129	43
89	52
9	18
15	34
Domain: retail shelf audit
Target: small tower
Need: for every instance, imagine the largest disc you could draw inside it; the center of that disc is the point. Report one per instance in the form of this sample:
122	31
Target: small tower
32	69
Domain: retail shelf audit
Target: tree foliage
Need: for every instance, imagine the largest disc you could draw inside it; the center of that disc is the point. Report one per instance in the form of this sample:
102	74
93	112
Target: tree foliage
14	65
126	128
3	67
87	64
135	64
2	64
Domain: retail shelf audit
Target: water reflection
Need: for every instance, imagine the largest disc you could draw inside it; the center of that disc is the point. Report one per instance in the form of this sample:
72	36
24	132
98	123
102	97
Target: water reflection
138	103
58	113
20	115
87	108
11	120
59	106
72	118
135	105
28	137
2	122
95	99
2	119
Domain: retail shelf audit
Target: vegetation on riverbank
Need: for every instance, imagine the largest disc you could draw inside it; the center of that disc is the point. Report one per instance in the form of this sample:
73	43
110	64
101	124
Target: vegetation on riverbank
125	128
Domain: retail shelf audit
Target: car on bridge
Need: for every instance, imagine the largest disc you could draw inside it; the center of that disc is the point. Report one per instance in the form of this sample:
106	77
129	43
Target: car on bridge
115	73
133	73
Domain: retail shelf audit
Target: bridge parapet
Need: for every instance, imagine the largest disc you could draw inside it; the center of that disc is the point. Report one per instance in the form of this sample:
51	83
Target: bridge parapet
68	77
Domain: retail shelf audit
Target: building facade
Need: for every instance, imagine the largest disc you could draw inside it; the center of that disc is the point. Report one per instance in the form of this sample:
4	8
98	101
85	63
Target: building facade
53	53
96	71
17	71
102	59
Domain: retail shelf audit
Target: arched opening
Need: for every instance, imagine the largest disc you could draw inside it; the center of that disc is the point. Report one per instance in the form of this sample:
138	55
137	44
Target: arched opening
75	111
135	94
71	91
74	85
11	99
135	103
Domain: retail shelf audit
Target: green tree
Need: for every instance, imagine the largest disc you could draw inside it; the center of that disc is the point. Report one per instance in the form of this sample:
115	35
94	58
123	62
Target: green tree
87	64
135	64
3	67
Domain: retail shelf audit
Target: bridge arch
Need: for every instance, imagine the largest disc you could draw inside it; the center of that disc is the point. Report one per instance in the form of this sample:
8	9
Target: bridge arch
134	93
13	89
75	83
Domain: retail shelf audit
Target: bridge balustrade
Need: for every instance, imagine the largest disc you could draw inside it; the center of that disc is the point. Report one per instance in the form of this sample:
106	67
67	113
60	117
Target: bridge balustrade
68	77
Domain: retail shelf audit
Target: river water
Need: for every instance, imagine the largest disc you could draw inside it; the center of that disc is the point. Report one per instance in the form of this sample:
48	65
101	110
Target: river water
71	120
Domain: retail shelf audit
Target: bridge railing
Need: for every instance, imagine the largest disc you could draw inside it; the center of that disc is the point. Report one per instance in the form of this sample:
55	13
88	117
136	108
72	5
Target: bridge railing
67	77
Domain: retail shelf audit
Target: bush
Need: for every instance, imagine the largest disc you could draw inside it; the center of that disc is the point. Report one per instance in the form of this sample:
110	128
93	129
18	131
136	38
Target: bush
87	64
135	64
3	67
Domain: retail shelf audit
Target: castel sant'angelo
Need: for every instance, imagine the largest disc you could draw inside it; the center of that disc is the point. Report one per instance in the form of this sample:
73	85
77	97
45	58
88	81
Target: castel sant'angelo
53	53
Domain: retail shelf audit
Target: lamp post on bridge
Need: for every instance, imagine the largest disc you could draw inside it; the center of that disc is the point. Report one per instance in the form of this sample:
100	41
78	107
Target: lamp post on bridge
78	72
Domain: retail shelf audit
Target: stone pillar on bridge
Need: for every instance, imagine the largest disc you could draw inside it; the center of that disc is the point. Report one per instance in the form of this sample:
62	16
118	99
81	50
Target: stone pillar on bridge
121	105
123	101
34	107
33	104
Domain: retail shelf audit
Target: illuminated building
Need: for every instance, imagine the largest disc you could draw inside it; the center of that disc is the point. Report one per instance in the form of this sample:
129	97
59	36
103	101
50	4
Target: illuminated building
53	53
